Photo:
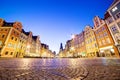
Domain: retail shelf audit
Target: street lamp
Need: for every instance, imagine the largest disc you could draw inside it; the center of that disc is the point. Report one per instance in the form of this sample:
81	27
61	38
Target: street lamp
73	36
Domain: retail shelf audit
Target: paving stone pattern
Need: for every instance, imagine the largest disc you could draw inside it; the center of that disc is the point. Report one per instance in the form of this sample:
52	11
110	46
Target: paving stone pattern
59	69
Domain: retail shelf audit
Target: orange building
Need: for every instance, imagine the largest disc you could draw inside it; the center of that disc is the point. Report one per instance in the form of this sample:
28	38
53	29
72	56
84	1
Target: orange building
9	38
15	42
104	38
112	18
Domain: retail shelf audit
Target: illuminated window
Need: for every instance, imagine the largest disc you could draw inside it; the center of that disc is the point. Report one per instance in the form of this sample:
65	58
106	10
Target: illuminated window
103	41
100	43
114	9
108	40
9	45
0	43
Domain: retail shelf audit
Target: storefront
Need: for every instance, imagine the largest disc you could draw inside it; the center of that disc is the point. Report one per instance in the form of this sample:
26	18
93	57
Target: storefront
107	51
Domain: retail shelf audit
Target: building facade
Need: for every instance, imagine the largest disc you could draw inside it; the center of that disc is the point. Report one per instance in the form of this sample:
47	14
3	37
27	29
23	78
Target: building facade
104	38
112	18
15	42
90	42
82	45
45	52
9	39
67	51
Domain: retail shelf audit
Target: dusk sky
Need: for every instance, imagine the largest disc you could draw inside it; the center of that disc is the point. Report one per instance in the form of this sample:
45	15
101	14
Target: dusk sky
54	20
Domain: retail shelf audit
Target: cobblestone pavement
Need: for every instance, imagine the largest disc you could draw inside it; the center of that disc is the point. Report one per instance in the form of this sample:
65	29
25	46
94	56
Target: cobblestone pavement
59	69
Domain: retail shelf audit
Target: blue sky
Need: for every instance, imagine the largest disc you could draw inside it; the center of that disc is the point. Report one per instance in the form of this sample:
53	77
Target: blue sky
53	20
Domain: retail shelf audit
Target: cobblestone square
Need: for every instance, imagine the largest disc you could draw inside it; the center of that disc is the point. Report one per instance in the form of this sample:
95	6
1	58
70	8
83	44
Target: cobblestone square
59	69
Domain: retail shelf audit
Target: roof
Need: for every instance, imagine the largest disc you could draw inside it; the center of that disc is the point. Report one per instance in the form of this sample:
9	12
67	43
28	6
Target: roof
27	33
44	45
6	24
34	37
106	15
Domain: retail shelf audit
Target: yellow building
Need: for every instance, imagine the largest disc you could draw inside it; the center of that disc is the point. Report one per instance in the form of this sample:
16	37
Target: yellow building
32	45
90	42
67	50
104	39
45	52
22	43
9	38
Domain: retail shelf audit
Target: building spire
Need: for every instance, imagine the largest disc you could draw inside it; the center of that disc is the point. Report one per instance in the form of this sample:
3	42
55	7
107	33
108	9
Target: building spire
61	47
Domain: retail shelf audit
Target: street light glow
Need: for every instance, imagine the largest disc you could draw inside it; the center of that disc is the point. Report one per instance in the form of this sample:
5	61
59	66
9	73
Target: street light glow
73	36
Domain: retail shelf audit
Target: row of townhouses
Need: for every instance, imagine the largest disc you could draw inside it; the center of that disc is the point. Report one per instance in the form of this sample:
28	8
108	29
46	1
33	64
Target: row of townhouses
15	42
102	40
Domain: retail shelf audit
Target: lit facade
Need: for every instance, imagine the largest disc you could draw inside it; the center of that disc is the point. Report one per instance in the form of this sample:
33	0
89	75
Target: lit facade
112	18
45	52
9	39
90	42
104	39
82	45
22	43
15	42
76	46
33	45
67	50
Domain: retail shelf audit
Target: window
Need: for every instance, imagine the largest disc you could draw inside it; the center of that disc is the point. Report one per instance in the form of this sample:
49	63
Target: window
5	29
0	43
100	43
14	32
6	53
117	15
17	28
3	36
12	38
103	41
103	28
108	40
114	29
16	39
119	24
9	45
95	45
105	33
114	9
109	20
11	53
